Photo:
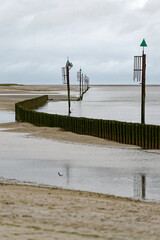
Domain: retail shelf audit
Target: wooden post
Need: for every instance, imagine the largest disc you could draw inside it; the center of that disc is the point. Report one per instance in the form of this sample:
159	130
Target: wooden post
80	97
68	88
143	88
82	85
140	71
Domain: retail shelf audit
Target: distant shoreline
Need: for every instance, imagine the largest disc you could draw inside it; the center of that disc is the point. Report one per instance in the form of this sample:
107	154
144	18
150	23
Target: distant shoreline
123	85
73	85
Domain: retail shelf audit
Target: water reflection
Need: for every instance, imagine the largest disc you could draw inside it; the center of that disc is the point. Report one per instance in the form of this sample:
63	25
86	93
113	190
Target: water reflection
67	173
118	182
140	186
115	183
114	171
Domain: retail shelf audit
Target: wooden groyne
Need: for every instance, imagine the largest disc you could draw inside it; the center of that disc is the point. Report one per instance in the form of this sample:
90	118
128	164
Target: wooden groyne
143	135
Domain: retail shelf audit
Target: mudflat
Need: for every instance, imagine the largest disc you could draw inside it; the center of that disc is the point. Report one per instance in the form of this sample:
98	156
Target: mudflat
10	94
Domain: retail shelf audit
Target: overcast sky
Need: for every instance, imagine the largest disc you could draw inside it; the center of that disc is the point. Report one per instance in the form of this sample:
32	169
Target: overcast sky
101	36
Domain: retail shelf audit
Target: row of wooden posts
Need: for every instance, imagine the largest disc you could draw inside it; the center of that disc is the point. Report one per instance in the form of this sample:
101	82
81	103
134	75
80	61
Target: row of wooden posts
142	135
83	81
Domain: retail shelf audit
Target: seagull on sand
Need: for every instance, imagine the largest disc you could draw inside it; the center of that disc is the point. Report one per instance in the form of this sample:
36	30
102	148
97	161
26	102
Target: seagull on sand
60	174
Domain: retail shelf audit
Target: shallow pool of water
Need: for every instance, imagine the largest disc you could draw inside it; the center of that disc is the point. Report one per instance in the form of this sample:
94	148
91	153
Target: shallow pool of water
132	173
6	117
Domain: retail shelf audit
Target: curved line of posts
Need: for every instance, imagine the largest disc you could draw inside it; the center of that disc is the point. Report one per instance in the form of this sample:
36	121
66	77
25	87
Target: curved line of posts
81	98
143	135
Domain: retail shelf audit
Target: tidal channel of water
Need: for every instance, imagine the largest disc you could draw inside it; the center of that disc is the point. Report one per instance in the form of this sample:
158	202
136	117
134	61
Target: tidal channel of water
132	173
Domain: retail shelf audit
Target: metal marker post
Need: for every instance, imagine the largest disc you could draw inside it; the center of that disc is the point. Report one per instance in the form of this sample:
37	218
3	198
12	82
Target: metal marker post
87	82
68	88
65	74
82	87
80	75
79	79
140	74
143	87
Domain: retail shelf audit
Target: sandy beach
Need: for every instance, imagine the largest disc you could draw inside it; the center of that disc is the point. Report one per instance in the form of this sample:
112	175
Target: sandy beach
37	212
43	213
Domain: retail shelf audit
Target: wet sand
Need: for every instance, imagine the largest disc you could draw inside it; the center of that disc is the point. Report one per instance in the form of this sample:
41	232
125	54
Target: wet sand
8	103
58	134
32	212
9	95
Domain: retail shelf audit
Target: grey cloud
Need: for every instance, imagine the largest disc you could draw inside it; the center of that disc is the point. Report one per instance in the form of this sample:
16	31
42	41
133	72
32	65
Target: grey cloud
102	36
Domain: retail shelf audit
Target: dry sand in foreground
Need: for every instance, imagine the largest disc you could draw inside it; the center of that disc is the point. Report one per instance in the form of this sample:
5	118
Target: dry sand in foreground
38	213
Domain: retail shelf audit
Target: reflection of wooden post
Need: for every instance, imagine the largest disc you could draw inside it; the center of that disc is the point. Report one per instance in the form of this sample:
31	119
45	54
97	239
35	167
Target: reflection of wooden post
68	88
143	187
67	169
140	186
143	88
